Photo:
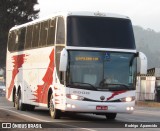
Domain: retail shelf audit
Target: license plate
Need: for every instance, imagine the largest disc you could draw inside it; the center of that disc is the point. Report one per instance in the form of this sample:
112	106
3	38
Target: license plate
101	107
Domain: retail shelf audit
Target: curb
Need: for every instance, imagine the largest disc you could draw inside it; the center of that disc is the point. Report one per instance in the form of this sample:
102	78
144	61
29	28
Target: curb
147	104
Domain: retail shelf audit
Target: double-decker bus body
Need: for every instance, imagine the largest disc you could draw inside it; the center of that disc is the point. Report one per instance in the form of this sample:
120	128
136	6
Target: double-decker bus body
74	61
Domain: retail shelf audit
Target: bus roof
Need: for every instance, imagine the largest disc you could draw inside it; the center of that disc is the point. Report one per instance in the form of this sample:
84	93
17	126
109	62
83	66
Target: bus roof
71	13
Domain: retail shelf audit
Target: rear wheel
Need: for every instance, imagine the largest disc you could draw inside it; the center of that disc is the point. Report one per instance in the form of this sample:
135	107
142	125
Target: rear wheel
55	113
14	101
111	116
18	102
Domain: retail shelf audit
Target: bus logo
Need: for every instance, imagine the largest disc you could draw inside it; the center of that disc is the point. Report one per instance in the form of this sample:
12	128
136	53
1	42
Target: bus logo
102	98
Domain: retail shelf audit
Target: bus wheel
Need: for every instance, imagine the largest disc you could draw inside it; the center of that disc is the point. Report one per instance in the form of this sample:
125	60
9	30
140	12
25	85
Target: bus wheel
55	113
18	102
14	102
111	116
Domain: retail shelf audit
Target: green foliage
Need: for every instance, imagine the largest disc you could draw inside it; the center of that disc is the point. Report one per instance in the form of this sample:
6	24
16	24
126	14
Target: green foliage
14	12
148	42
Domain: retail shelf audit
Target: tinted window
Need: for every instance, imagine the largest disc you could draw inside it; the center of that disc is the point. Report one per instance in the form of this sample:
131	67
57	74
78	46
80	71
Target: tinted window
102	70
21	38
29	37
11	40
100	32
17	32
43	33
51	32
60	31
33	36
36	30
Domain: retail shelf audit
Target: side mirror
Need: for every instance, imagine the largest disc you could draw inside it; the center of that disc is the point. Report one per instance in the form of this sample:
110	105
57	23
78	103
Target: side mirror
63	60
143	63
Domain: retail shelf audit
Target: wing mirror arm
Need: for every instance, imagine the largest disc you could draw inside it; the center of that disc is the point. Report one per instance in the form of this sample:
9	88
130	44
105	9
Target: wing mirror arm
63	60
143	62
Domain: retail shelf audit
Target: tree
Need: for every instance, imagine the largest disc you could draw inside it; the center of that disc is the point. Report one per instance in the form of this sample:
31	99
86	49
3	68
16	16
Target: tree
14	12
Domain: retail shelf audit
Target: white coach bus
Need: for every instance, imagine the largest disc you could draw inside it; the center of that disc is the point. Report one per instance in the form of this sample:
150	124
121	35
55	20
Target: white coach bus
74	62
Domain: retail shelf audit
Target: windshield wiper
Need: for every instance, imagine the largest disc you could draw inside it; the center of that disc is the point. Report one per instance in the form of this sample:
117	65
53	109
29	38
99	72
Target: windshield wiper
118	86
81	83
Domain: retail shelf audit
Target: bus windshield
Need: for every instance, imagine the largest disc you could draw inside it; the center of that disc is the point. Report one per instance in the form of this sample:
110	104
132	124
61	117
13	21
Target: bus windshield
94	70
102	32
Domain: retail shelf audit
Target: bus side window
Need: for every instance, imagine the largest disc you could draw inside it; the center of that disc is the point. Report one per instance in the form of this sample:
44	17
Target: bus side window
36	32
11	41
21	38
60	39
28	37
17	32
51	32
43	34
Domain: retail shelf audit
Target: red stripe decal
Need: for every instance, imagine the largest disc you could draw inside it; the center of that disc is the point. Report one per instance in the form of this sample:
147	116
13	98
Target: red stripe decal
18	61
114	94
56	94
42	91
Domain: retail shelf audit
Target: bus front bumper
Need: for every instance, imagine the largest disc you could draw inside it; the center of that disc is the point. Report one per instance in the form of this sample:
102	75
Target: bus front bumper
99	107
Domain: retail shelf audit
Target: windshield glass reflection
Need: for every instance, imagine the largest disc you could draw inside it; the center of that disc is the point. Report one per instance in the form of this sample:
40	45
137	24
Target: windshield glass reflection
102	70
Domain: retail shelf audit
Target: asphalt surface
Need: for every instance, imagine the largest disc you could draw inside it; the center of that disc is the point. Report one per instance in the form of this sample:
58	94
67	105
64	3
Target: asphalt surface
79	121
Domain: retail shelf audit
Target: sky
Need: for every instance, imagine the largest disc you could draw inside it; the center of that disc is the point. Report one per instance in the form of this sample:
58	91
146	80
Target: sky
145	13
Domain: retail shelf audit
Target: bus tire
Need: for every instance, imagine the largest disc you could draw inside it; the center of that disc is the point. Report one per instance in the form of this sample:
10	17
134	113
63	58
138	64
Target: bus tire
18	102
54	113
111	116
14	102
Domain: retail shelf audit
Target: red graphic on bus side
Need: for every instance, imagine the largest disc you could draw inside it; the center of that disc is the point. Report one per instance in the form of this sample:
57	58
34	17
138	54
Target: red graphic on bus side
42	90
18	61
114	94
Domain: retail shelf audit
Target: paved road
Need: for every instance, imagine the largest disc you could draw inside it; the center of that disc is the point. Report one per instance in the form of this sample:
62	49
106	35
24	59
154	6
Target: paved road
79	121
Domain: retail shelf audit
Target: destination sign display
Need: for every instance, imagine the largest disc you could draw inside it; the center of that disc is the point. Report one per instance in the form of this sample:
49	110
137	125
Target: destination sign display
80	58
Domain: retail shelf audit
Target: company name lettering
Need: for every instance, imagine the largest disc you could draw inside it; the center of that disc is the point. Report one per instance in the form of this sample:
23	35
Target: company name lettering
81	92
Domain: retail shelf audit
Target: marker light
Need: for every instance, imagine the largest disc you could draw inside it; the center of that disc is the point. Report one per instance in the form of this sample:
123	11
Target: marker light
130	108
74	97
128	99
99	14
73	106
70	105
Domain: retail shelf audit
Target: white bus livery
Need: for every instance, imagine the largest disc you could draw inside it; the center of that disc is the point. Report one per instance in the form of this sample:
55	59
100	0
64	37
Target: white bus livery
74	62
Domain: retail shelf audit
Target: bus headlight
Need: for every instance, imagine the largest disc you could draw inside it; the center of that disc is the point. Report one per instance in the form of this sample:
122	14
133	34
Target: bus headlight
74	97
128	99
130	108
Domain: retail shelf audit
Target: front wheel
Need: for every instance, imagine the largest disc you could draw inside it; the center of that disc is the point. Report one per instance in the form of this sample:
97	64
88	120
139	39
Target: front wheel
111	116
55	113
